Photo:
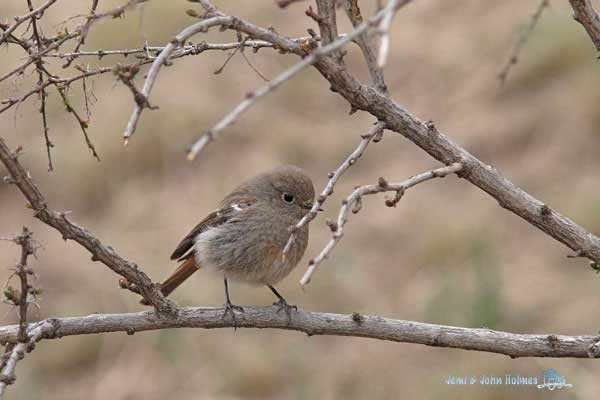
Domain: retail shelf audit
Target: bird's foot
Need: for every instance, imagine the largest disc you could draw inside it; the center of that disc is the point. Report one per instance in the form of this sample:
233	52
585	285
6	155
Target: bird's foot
231	309
282	305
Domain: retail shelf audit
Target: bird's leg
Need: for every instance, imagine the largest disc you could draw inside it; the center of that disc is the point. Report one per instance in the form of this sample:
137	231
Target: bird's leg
229	307
282	304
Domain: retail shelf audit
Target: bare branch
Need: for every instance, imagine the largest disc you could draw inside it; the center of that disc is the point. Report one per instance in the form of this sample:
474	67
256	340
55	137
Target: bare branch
252	97
83	124
69	230
84	32
354	203
429	138
514	55
20	298
375	132
34	57
192	49
586	15
42	92
314	323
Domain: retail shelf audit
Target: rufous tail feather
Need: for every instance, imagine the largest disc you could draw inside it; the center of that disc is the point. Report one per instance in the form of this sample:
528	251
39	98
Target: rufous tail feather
184	271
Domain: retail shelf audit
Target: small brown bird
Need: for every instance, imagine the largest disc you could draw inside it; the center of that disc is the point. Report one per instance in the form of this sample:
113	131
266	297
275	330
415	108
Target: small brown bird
244	239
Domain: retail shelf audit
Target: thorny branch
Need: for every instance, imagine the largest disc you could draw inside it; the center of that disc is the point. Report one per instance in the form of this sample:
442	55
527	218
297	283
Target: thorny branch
24	340
105	254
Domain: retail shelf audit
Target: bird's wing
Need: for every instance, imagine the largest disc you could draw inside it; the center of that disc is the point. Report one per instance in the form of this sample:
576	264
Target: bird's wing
218	217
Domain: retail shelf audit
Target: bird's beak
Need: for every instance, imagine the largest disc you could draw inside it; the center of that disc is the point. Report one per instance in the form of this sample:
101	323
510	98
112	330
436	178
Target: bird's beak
309	205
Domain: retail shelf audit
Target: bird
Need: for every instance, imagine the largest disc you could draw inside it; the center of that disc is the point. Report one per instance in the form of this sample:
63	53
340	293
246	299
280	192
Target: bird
244	238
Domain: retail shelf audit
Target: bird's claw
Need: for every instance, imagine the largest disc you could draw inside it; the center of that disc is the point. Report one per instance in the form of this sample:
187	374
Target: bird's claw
282	305
231	309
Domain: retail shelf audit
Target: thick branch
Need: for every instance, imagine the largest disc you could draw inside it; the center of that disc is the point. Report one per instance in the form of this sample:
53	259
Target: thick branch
313	323
586	15
69	230
442	148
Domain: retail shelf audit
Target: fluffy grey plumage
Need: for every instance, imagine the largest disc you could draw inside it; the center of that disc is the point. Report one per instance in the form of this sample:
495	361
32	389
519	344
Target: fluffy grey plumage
248	245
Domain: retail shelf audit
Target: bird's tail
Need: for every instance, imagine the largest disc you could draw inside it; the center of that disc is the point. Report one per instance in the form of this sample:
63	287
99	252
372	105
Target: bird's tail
184	271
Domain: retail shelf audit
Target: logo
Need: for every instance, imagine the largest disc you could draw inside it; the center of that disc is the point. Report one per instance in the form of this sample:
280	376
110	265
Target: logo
553	380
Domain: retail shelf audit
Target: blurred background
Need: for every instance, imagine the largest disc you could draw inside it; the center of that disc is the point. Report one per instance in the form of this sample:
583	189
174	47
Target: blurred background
447	254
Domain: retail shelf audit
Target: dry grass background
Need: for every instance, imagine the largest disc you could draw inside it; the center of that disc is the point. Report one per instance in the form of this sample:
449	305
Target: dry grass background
447	254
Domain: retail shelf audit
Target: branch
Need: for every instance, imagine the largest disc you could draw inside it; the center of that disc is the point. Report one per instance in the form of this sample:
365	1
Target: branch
586	15
314	323
354	203
69	230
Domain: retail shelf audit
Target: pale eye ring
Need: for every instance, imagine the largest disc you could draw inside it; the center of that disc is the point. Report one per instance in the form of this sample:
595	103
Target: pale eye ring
288	198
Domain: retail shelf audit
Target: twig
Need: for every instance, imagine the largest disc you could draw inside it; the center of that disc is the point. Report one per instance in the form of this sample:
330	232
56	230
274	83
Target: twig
69	230
11	101
520	43
83	124
374	133
193	49
315	323
33	13
84	31
34	57
354	203
42	92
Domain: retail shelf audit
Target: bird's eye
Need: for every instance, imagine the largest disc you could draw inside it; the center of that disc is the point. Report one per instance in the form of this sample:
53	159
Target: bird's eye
288	198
